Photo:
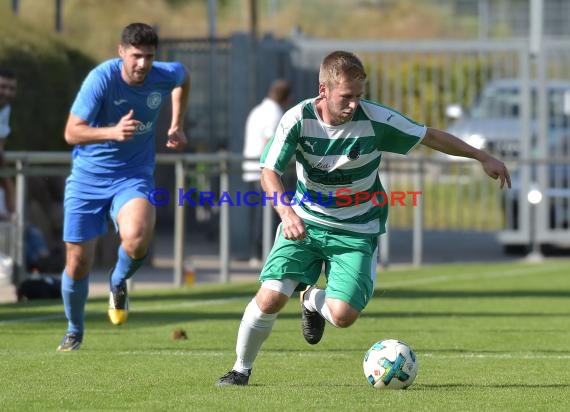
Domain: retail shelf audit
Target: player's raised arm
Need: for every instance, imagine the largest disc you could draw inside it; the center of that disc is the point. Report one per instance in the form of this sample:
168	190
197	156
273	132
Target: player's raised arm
447	143
176	137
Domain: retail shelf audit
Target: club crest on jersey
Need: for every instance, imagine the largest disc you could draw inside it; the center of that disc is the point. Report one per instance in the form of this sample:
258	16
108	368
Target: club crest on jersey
153	100
354	152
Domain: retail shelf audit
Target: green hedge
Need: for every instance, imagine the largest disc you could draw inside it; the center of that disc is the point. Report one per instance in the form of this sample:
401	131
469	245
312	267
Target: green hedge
49	75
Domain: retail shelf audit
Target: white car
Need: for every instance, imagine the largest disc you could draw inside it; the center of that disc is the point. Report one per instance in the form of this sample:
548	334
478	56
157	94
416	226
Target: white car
493	121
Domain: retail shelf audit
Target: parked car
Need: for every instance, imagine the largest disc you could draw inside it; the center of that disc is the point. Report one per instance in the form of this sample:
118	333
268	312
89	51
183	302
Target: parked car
493	123
493	120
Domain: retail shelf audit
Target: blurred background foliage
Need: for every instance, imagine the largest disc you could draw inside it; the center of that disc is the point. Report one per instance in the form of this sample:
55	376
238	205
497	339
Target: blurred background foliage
93	25
51	65
49	73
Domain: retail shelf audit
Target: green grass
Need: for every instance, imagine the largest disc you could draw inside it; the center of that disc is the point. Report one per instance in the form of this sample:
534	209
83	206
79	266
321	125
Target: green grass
488	337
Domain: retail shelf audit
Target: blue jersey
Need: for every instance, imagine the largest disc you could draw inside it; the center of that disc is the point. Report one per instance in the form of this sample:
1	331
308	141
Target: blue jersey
103	99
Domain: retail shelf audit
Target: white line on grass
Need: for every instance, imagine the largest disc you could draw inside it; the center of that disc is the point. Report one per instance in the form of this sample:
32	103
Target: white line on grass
34	319
465	355
190	304
154	308
525	271
505	355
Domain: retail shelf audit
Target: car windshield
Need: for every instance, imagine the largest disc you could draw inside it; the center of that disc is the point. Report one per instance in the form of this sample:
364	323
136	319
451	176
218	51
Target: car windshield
504	102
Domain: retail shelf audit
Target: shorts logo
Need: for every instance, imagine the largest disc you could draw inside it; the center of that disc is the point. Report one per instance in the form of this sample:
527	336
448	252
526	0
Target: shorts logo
153	100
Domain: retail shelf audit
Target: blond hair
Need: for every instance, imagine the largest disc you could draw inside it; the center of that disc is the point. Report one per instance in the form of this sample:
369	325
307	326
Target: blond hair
341	65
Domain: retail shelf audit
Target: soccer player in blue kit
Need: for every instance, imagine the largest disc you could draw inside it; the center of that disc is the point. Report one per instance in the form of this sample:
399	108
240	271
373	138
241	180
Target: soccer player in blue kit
112	126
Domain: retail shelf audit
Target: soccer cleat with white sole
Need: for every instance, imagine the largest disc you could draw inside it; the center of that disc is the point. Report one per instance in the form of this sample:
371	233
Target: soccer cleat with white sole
312	323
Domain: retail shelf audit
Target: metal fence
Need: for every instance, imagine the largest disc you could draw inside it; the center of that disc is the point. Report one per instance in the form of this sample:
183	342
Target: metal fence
423	80
213	172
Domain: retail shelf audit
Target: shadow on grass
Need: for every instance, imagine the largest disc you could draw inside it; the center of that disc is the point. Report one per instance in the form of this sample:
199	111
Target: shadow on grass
150	316
454	294
174	297
455	314
191	304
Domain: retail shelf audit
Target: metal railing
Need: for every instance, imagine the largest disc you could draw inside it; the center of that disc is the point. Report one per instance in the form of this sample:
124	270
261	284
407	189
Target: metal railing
449	188
58	164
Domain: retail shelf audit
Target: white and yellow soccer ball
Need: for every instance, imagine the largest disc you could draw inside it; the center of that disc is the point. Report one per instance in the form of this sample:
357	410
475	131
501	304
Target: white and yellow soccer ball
390	364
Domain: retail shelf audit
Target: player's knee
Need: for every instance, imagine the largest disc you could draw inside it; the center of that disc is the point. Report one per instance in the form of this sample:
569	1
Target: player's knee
271	302
135	246
344	318
77	267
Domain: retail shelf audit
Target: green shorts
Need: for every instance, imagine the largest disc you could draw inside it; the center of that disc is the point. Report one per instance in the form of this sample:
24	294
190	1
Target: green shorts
349	263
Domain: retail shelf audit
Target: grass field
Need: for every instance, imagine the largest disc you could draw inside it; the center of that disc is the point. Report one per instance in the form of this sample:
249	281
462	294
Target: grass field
488	337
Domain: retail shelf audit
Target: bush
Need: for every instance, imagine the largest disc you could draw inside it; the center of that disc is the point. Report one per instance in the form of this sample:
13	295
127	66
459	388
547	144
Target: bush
49	75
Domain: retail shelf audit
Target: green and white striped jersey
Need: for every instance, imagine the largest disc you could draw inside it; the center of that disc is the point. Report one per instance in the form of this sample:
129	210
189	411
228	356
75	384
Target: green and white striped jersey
337	166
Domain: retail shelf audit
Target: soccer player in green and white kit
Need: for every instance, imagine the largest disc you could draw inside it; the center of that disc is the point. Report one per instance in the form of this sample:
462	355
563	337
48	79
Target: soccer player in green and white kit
337	139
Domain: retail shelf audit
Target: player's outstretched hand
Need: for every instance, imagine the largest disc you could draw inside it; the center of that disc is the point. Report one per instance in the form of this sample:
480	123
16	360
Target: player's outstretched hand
497	170
176	139
127	127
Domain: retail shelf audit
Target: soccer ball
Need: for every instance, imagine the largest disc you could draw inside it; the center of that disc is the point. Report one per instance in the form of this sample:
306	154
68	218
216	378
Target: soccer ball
390	364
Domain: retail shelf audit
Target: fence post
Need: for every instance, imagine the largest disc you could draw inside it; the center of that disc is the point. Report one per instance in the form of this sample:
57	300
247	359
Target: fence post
224	222
419	216
179	224
20	264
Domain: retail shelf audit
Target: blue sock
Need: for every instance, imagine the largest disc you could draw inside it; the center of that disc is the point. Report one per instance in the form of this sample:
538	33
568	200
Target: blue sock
74	294
124	268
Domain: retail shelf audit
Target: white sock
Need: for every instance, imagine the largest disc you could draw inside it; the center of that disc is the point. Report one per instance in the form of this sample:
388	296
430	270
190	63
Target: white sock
254	328
314	300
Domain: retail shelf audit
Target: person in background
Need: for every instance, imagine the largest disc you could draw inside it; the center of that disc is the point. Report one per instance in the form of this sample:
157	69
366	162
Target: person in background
337	139
37	254
112	126
8	89
259	129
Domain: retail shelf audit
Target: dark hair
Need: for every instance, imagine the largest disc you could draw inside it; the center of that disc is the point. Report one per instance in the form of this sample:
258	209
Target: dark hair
280	90
139	34
7	73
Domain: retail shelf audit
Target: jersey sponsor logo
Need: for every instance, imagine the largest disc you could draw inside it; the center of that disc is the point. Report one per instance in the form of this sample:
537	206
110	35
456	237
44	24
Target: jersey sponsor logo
333	179
119	102
153	100
322	165
143	127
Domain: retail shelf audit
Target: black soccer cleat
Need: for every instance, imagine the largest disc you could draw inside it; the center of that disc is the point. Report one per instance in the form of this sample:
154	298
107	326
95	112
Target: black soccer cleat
234	378
312	323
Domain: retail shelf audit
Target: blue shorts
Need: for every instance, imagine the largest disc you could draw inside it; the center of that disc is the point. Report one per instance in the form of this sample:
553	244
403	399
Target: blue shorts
89	203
